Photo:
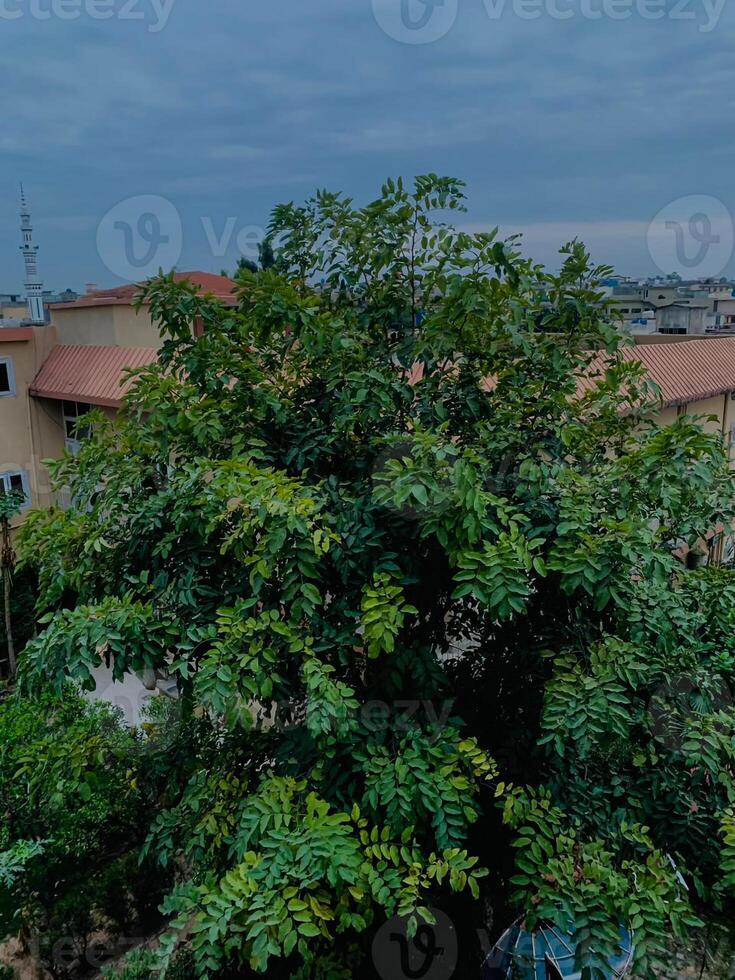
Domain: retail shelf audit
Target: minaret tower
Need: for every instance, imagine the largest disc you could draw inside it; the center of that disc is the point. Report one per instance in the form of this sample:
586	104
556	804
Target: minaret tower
34	286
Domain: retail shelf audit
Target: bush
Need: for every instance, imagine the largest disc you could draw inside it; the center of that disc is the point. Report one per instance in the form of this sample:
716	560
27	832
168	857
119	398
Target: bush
138	965
75	795
142	964
68	773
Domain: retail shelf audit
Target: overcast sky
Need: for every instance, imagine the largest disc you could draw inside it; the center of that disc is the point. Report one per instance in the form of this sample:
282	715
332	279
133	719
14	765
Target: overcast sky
587	123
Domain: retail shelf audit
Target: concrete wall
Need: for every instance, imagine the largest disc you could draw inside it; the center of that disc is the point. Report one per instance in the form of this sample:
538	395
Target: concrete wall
688	319
47	430
661	338
135	329
726	307
721	407
49	439
13	311
19	451
88	325
110	326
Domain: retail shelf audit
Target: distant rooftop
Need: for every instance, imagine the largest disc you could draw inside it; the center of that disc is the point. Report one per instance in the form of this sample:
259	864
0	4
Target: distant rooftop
219	286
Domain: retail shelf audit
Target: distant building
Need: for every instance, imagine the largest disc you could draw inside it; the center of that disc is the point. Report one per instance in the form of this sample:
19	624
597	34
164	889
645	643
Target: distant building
641	302
66	296
682	318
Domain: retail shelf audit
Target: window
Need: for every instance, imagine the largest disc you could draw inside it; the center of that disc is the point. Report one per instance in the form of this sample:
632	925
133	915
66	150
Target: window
7	377
74	434
16	481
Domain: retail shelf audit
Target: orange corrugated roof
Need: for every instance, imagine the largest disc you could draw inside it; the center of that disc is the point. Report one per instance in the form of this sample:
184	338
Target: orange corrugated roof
219	286
91	374
685	372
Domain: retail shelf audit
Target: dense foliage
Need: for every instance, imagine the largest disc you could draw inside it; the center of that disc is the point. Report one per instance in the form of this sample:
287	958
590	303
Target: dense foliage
22	610
10	505
415	577
71	795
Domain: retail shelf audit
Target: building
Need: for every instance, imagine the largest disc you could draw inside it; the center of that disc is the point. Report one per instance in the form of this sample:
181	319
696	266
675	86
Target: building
13	308
694	378
650	307
53	371
682	318
54	368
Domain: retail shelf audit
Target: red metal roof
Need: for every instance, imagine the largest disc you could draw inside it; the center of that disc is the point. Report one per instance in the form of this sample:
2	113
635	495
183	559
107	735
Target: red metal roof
219	286
89	373
685	372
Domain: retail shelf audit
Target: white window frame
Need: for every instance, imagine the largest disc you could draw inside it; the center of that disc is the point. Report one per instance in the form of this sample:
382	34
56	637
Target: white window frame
11	393
5	478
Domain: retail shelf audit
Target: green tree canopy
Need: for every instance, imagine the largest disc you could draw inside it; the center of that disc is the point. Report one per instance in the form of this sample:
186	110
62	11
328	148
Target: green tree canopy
417	585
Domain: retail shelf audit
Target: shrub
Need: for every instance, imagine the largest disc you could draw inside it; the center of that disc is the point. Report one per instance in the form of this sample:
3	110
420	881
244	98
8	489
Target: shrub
75	797
140	964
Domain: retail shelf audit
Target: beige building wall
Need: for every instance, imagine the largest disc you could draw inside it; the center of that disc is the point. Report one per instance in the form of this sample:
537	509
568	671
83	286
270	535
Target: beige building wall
721	407
14	312
135	328
116	325
19	449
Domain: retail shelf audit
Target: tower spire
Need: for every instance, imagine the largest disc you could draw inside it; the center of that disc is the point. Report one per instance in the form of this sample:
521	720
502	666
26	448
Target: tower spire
34	286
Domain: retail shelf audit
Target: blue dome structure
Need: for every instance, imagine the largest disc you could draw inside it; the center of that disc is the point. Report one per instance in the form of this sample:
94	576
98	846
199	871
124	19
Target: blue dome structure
546	954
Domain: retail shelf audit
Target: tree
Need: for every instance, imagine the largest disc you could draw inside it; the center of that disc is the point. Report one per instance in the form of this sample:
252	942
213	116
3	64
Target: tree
406	541
267	259
10	505
266	254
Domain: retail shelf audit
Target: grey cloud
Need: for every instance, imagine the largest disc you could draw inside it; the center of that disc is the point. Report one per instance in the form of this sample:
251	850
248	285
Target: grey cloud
234	106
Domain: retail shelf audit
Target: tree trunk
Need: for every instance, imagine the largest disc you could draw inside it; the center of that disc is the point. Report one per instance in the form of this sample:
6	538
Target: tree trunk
8	622
6	551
